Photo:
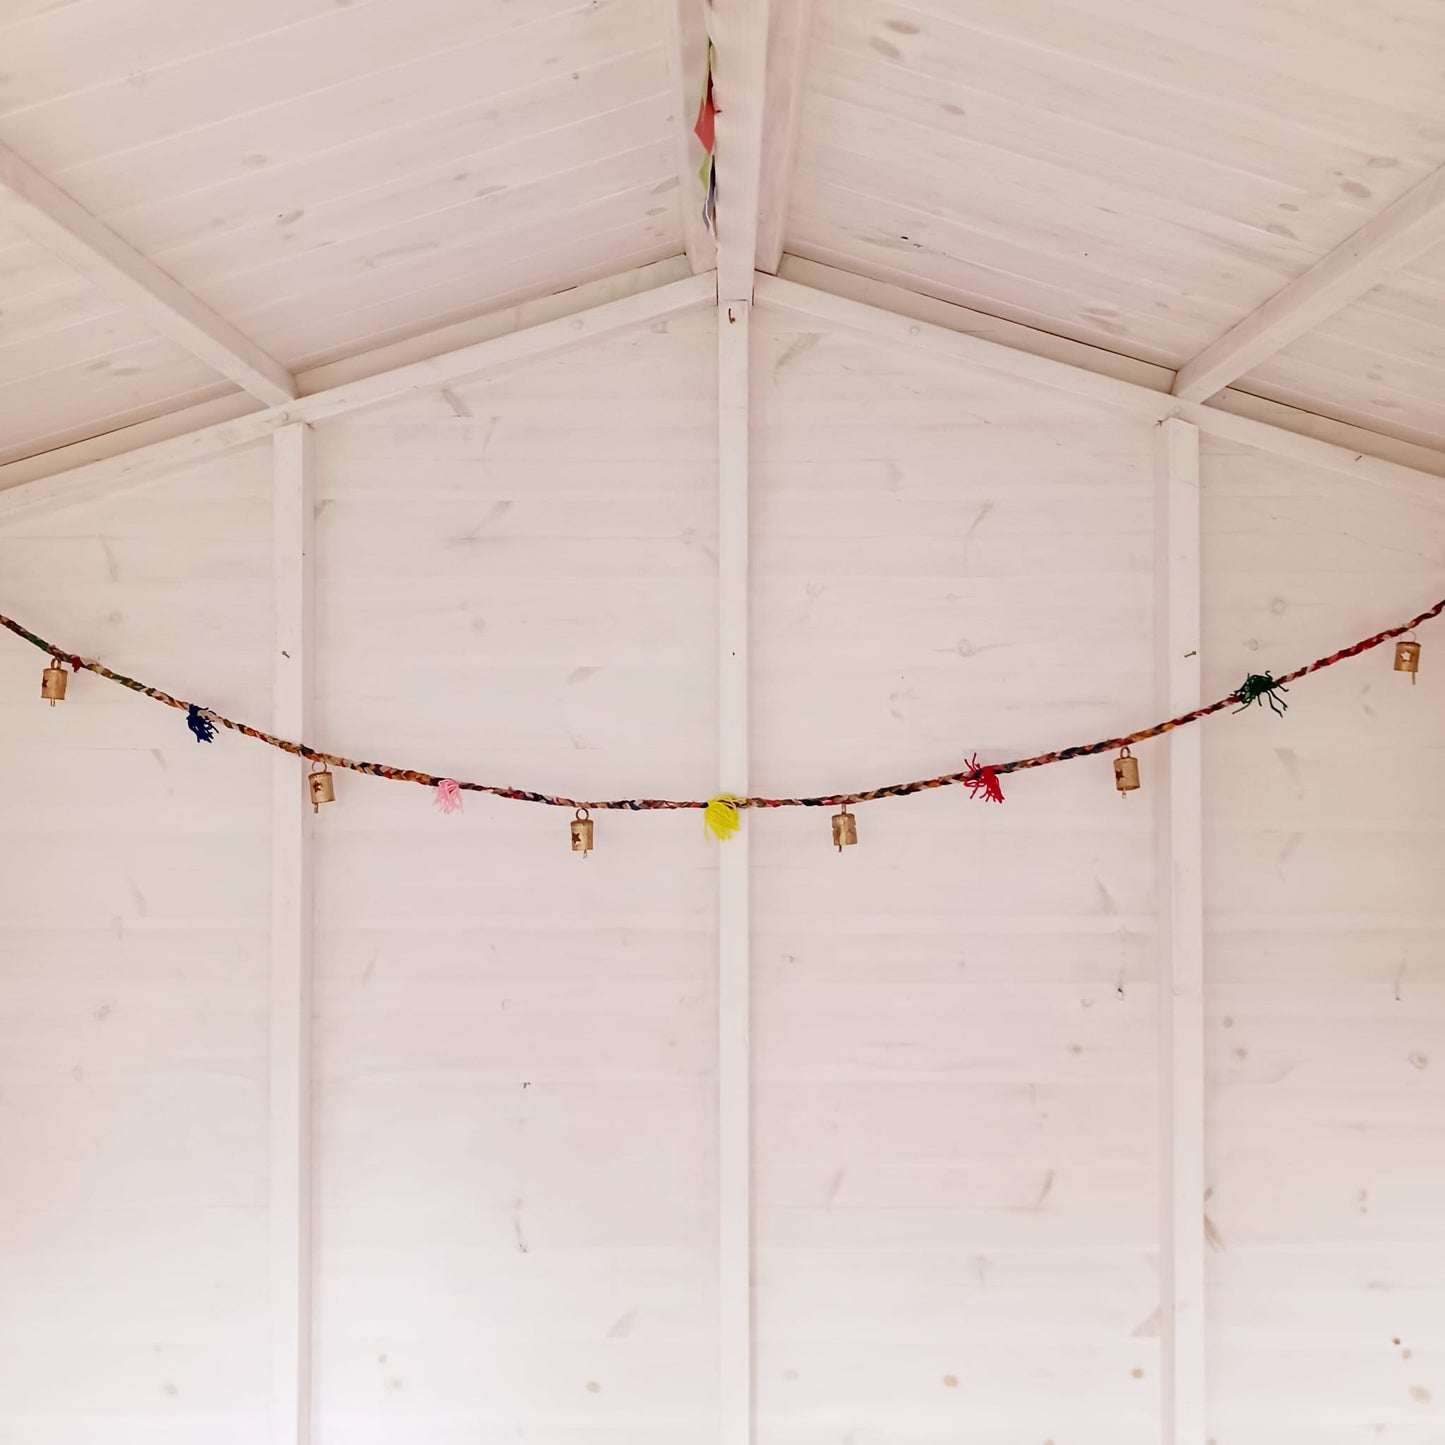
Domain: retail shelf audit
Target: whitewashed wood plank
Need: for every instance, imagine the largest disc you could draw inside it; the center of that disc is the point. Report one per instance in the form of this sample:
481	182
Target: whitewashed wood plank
334	47
481	139
440	295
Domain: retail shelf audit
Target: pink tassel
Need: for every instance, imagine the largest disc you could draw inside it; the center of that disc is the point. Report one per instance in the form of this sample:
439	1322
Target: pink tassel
449	796
982	782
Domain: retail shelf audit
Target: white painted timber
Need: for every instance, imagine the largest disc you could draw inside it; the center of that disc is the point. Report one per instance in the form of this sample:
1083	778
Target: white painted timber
1181	942
787	68
954	1022
1133	175
1401	233
1325	998
1040	367
517	1161
60	224
332	177
684	24
94	467
739	30
735	1338
291	923
526	344
135	952
955	1026
367	363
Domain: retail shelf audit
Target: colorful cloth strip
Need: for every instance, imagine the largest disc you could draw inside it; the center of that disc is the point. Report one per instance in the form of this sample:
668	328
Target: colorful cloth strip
970	775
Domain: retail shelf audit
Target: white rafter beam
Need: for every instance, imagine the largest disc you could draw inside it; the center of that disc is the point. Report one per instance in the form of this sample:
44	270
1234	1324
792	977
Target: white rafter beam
65	228
1400	233
683	22
529	343
739	31
783	104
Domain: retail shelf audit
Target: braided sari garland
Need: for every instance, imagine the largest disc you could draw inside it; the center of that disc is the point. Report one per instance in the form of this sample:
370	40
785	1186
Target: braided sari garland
981	780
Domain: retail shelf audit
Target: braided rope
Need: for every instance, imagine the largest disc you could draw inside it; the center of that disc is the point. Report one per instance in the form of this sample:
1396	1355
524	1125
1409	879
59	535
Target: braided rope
969	775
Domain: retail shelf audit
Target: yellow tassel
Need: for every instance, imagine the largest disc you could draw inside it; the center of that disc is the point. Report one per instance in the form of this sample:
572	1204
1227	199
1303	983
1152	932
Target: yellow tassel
721	817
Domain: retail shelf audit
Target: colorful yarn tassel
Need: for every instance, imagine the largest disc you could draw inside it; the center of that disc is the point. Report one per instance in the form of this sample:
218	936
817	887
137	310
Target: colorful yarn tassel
449	796
200	724
1260	687
982	782
721	816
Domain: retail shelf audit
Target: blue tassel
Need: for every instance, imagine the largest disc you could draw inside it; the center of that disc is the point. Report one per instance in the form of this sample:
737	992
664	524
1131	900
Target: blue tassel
200	724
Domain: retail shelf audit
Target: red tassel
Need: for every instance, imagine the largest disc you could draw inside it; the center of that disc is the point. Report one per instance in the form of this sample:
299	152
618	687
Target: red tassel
982	782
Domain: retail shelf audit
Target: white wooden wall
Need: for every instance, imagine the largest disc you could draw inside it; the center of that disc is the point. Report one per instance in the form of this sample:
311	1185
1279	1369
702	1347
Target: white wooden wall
954	1020
1325	978
134	956
956	1077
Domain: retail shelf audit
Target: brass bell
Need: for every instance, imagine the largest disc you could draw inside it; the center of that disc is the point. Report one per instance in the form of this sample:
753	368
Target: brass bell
1126	772
845	829
52	682
1407	657
323	790
582	833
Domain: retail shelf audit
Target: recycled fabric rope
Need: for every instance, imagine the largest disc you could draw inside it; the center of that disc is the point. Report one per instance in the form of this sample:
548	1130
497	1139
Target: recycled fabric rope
969	775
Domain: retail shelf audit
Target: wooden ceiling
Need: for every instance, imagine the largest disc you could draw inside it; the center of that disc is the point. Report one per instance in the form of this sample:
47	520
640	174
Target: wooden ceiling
326	175
320	177
1137	174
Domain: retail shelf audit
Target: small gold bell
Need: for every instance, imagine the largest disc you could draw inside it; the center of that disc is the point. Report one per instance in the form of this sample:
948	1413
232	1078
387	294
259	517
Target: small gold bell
1126	772
52	682
582	833
845	829
323	790
1407	657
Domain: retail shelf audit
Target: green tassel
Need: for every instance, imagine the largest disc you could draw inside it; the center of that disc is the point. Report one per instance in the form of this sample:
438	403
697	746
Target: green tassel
1260	687
721	817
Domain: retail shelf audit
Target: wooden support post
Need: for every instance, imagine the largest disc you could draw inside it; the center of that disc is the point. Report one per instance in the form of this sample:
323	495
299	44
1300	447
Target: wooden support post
1181	939
734	1052
290	1073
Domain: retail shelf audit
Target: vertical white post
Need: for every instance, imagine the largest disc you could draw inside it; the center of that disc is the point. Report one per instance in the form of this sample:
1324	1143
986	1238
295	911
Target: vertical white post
1181	952
734	1069
290	1072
